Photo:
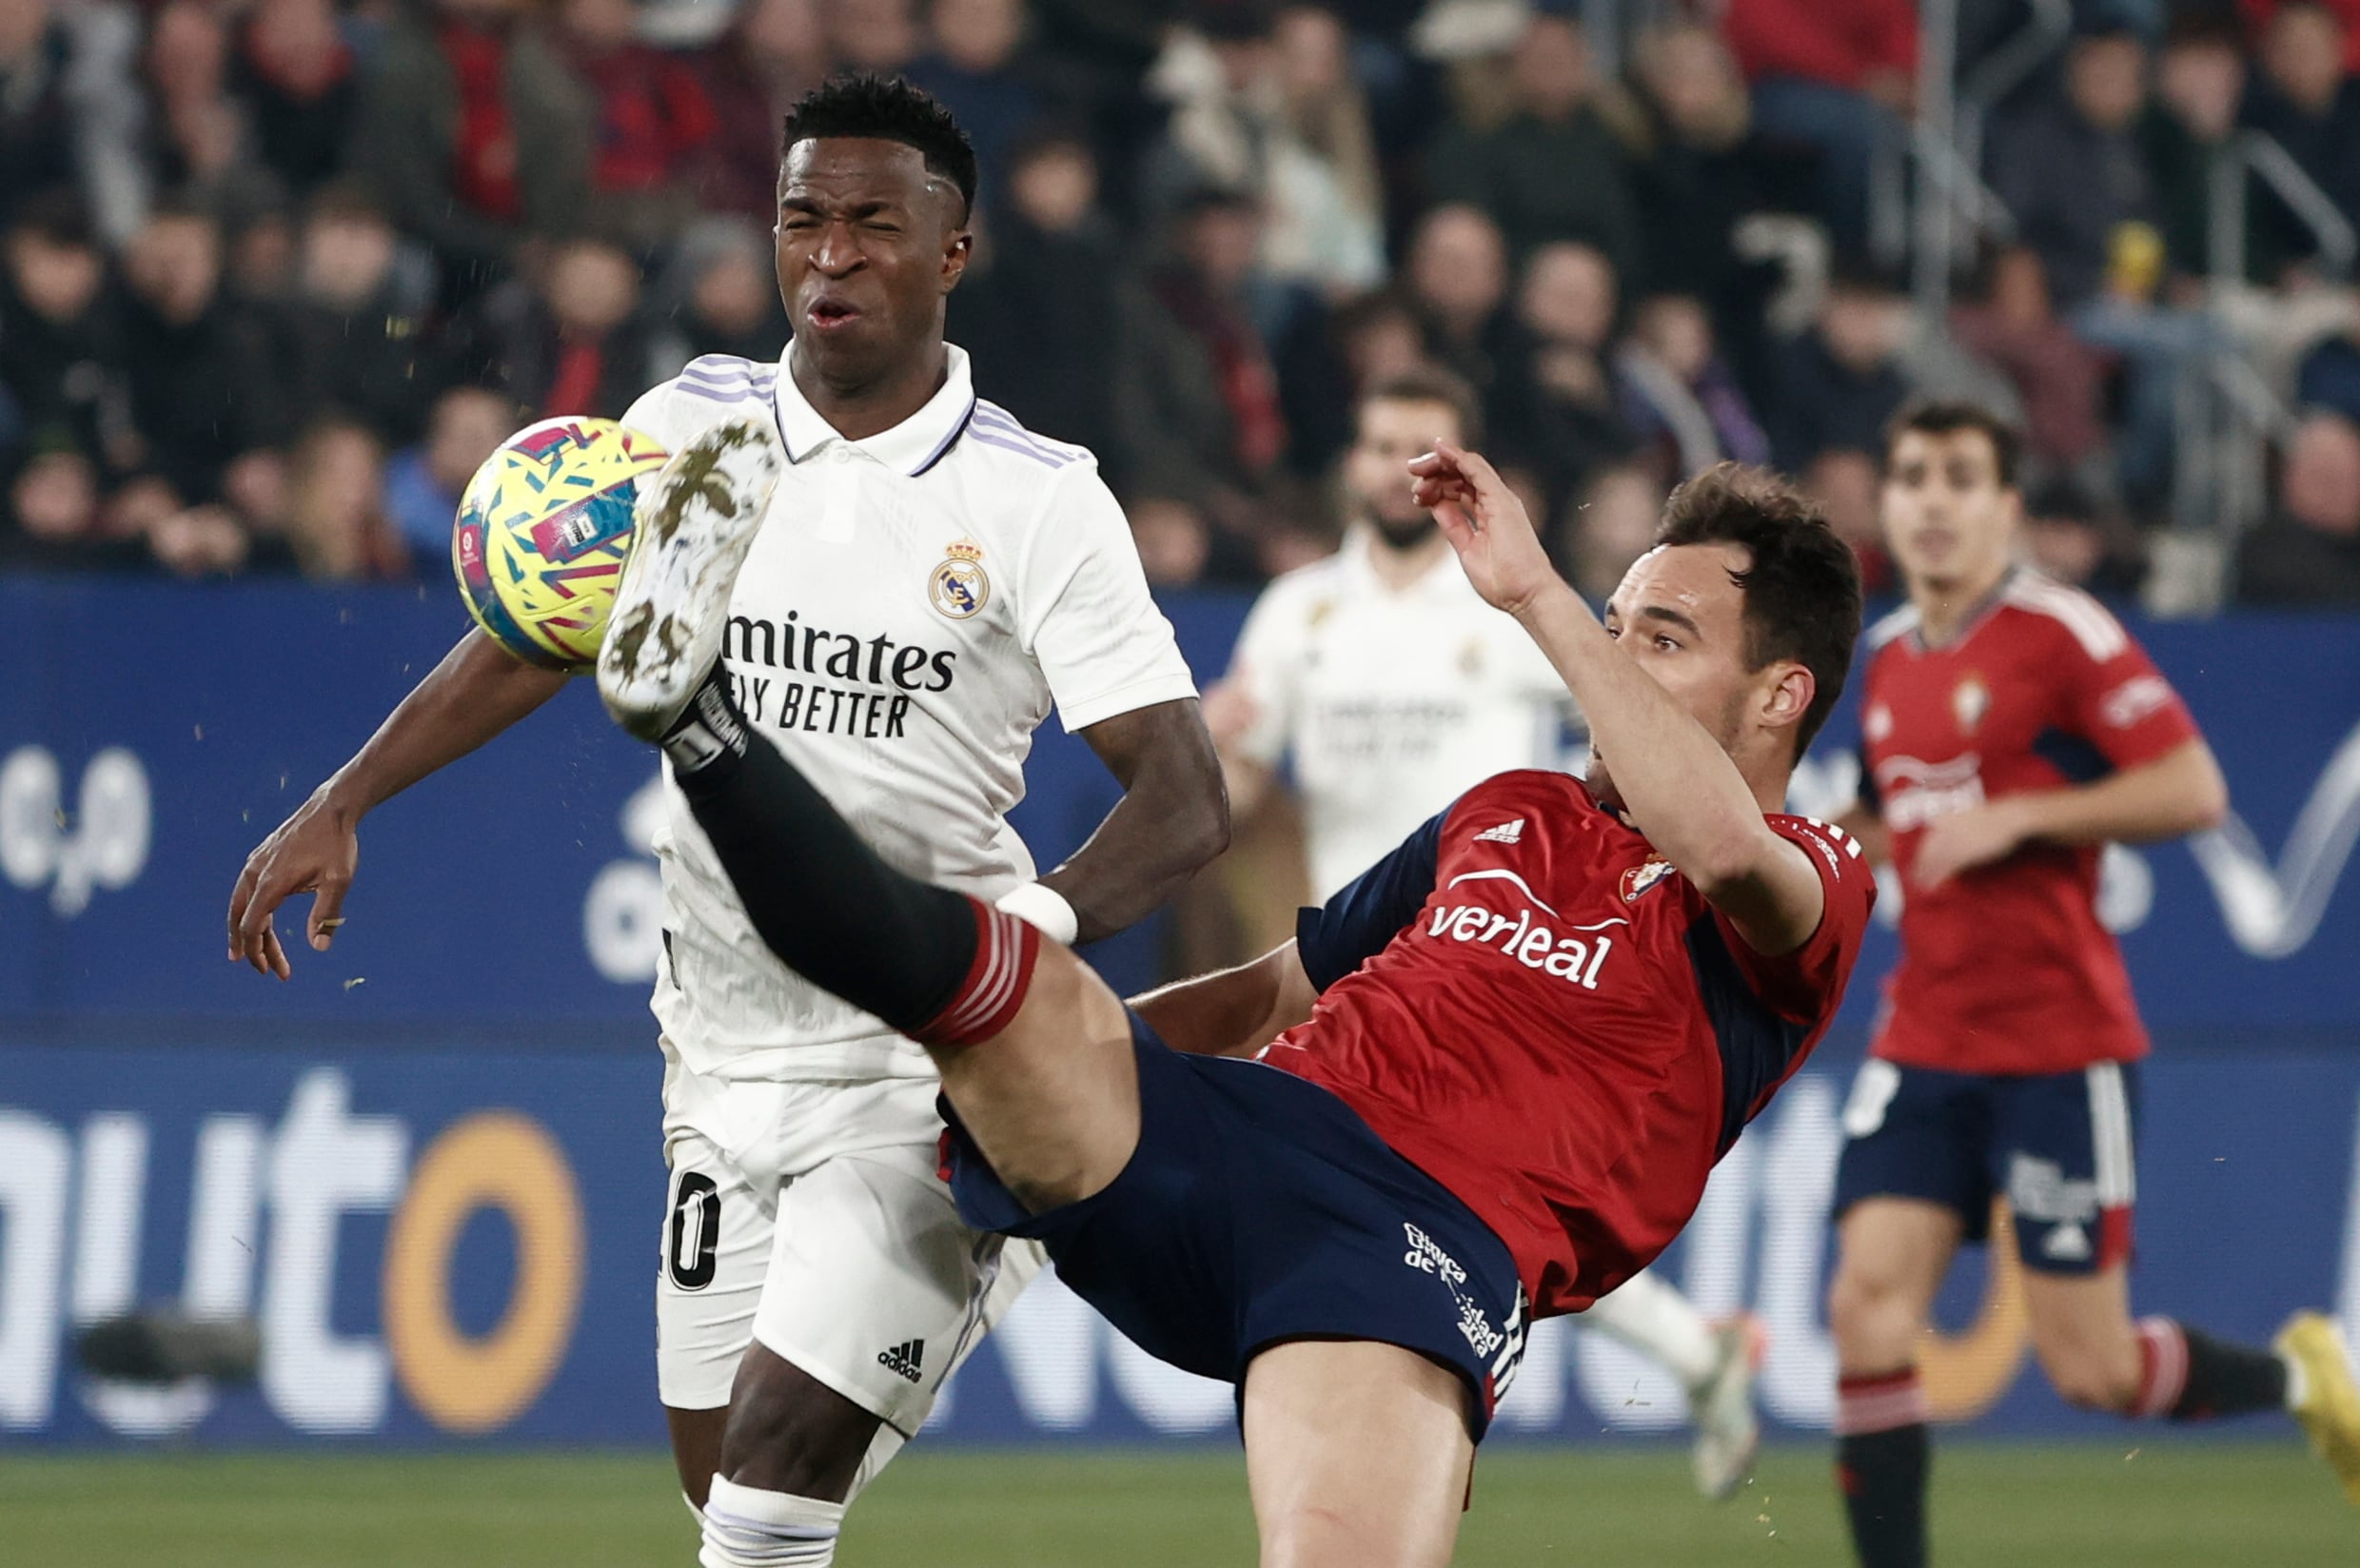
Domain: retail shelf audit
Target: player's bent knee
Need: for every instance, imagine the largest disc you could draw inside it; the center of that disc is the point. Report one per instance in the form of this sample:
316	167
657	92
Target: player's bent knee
790	1433
1312	1536
1875	1321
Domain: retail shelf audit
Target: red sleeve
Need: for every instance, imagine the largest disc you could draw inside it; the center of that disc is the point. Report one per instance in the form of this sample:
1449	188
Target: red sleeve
1806	986
1889	35
2118	701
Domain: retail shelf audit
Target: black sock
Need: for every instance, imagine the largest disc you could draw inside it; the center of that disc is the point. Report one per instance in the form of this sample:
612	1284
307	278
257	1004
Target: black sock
1882	1476
826	905
2228	1380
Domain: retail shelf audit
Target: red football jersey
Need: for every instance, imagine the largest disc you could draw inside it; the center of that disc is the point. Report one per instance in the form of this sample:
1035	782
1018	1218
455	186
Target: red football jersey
1536	1010
2006	968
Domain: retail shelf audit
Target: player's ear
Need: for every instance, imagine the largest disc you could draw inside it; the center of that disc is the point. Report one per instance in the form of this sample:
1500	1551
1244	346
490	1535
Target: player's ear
958	251
1788	694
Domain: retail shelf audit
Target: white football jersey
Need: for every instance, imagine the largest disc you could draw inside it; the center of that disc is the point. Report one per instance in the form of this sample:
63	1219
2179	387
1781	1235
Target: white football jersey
913	604
1392	703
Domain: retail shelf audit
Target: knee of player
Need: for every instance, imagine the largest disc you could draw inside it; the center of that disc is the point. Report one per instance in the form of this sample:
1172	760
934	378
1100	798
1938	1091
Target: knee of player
2087	1379
1871	1315
1308	1536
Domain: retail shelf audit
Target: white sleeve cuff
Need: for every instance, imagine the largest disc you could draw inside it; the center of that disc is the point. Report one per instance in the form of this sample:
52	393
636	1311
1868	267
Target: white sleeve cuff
1043	908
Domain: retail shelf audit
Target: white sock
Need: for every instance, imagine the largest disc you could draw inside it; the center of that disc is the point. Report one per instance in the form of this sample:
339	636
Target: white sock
1652	1318
749	1528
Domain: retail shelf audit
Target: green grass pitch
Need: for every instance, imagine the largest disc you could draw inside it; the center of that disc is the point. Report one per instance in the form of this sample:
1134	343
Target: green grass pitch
2174	1504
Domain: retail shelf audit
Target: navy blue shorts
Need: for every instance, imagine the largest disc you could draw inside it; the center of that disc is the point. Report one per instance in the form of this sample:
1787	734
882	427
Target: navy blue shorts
1260	1208
2059	1147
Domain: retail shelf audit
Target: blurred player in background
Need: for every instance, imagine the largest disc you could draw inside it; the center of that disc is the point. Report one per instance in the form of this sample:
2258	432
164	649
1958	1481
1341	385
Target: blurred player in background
932	576
1491	1076
2012	728
1394	688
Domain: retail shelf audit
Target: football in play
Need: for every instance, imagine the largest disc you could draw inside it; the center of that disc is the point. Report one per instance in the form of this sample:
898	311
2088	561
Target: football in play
541	535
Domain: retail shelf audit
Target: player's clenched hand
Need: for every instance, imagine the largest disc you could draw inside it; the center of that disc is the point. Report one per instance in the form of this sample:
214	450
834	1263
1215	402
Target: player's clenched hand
1954	845
1485	523
316	850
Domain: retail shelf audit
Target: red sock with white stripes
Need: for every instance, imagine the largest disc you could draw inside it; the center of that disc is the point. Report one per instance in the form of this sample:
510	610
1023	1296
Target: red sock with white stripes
989	997
1881	1466
2187	1375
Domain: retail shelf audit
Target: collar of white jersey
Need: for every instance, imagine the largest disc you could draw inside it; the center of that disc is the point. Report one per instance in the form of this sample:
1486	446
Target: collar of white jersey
1445	577
911	447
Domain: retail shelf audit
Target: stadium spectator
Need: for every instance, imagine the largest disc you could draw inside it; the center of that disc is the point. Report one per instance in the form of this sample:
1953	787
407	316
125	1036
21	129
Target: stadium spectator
476	134
1835	76
2307	553
53	520
1845	481
298	79
719	295
2305	102
424	482
60	332
1458	280
335	528
2060	379
772	53
360	318
1558	411
1678	399
1174	543
1042	303
2259	13
2071	168
1551	170
1834	386
978	68
1702	166
2200	83
1196	393
200	542
199	140
878	35
567	340
68	113
2072	538
207	407
1608	525
651	116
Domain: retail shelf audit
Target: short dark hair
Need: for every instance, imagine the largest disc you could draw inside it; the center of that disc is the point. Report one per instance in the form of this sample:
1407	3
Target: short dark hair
1948	417
862	104
1803	589
1431	383
59	216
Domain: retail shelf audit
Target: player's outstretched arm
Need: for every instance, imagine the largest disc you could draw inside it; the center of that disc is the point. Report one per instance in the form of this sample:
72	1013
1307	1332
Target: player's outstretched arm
2181	792
473	695
1231	1012
1680	787
1173	817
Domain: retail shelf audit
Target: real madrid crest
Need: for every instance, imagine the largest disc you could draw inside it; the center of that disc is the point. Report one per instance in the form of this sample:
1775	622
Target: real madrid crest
959	586
1642	876
1969	701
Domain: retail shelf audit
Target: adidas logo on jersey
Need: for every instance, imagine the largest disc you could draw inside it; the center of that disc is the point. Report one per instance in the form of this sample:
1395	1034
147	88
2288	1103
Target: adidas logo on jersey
2067	1244
904	1359
1506	833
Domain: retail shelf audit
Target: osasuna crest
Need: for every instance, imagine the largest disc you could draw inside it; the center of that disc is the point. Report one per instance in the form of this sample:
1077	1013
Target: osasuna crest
958	586
1642	876
1969	701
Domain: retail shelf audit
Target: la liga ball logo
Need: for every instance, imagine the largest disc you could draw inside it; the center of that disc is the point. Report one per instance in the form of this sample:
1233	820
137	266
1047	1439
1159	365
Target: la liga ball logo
959	586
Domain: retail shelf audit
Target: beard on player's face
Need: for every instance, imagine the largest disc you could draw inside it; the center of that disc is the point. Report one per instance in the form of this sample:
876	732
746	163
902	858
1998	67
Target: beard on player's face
1402	534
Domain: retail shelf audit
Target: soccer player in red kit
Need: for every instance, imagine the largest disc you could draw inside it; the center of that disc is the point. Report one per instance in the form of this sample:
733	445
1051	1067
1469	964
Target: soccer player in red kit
2011	728
1498	1067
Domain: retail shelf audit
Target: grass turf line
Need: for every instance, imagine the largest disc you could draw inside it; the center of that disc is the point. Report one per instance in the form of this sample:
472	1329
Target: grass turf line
2178	1504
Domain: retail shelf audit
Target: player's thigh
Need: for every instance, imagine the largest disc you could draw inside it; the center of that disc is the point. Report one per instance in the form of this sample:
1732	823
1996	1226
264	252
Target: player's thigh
1357	1454
1053	1100
1912	1184
714	1252
875	1289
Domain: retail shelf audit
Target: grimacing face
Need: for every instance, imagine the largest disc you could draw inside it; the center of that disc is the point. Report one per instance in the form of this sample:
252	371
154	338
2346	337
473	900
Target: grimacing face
870	245
1950	522
1681	617
1390	431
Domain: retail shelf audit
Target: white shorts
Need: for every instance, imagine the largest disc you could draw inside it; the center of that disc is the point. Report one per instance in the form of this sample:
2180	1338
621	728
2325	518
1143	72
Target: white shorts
810	1216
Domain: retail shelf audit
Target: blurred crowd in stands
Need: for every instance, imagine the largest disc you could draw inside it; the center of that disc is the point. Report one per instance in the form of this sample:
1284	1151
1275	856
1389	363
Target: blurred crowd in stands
280	273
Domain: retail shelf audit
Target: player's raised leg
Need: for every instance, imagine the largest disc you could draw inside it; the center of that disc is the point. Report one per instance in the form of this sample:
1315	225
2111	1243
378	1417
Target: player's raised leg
1714	1362
1357	1454
1892	1254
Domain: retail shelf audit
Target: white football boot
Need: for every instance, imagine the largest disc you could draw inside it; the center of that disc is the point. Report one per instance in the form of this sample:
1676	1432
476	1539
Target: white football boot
691	530
1728	1433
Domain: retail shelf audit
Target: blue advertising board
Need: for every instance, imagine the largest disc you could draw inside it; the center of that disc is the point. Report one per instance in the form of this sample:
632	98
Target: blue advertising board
429	1163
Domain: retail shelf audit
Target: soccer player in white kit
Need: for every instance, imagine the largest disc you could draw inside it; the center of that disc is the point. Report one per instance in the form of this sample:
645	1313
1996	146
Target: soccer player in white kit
1393	689
930	579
